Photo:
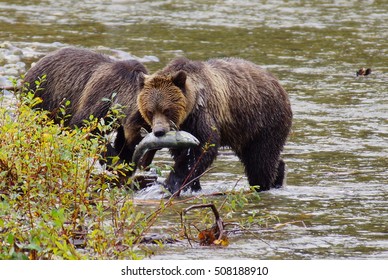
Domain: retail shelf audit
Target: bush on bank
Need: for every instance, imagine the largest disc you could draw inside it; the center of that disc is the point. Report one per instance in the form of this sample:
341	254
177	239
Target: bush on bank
52	200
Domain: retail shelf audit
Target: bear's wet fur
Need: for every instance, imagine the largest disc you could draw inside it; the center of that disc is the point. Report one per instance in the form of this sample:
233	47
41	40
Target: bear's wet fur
223	102
87	79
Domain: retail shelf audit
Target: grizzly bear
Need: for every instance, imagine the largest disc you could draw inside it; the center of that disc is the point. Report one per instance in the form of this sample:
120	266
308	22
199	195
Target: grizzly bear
223	102
87	79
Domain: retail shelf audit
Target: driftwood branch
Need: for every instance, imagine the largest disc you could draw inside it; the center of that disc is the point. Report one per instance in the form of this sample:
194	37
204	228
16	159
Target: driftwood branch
212	235
10	88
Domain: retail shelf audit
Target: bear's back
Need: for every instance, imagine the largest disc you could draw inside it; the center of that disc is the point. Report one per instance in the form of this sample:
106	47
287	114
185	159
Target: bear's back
66	72
119	81
236	92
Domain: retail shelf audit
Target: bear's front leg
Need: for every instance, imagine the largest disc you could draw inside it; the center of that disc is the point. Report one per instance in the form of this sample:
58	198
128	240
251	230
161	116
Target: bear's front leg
190	164
179	177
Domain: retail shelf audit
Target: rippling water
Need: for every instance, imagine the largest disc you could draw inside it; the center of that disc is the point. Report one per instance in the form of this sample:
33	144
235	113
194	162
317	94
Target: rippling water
337	152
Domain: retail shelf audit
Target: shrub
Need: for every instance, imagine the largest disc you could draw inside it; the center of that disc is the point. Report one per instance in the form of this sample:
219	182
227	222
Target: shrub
53	198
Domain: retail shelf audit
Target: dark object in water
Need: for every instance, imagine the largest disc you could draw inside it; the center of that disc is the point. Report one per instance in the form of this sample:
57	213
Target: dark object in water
364	72
143	181
171	140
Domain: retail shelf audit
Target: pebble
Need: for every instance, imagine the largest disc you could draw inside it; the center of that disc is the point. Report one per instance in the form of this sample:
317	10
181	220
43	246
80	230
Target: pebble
11	60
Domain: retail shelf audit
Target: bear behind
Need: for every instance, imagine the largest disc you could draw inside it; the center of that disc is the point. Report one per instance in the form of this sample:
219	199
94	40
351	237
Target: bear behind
86	78
223	102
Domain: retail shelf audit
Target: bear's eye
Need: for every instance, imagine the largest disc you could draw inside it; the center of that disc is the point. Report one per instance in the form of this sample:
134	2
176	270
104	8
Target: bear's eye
149	114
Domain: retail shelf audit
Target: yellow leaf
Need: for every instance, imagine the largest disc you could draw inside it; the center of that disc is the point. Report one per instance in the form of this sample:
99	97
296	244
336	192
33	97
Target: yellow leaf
47	137
221	242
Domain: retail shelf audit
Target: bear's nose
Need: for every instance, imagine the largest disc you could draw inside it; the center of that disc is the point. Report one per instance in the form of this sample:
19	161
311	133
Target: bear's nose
158	132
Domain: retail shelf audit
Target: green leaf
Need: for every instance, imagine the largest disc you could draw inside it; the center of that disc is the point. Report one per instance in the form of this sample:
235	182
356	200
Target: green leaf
10	239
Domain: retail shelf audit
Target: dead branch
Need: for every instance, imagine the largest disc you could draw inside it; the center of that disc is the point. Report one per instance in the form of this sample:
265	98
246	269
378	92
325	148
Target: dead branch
10	88
213	235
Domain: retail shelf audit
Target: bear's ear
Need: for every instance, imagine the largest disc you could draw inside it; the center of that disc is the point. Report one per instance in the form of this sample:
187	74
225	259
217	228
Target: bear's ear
142	78
179	79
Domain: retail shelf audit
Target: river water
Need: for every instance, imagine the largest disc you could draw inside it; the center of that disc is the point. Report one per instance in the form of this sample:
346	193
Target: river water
335	204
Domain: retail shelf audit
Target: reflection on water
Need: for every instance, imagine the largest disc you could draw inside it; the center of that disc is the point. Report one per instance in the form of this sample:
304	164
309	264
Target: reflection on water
337	153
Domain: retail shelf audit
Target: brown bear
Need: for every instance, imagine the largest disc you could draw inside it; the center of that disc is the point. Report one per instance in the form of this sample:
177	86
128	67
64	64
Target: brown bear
223	102
87	79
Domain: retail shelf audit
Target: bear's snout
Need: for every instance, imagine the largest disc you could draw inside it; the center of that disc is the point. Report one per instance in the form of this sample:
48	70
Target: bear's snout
160	125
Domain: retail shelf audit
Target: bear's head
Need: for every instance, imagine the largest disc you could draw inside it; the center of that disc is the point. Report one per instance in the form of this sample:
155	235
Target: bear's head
163	102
